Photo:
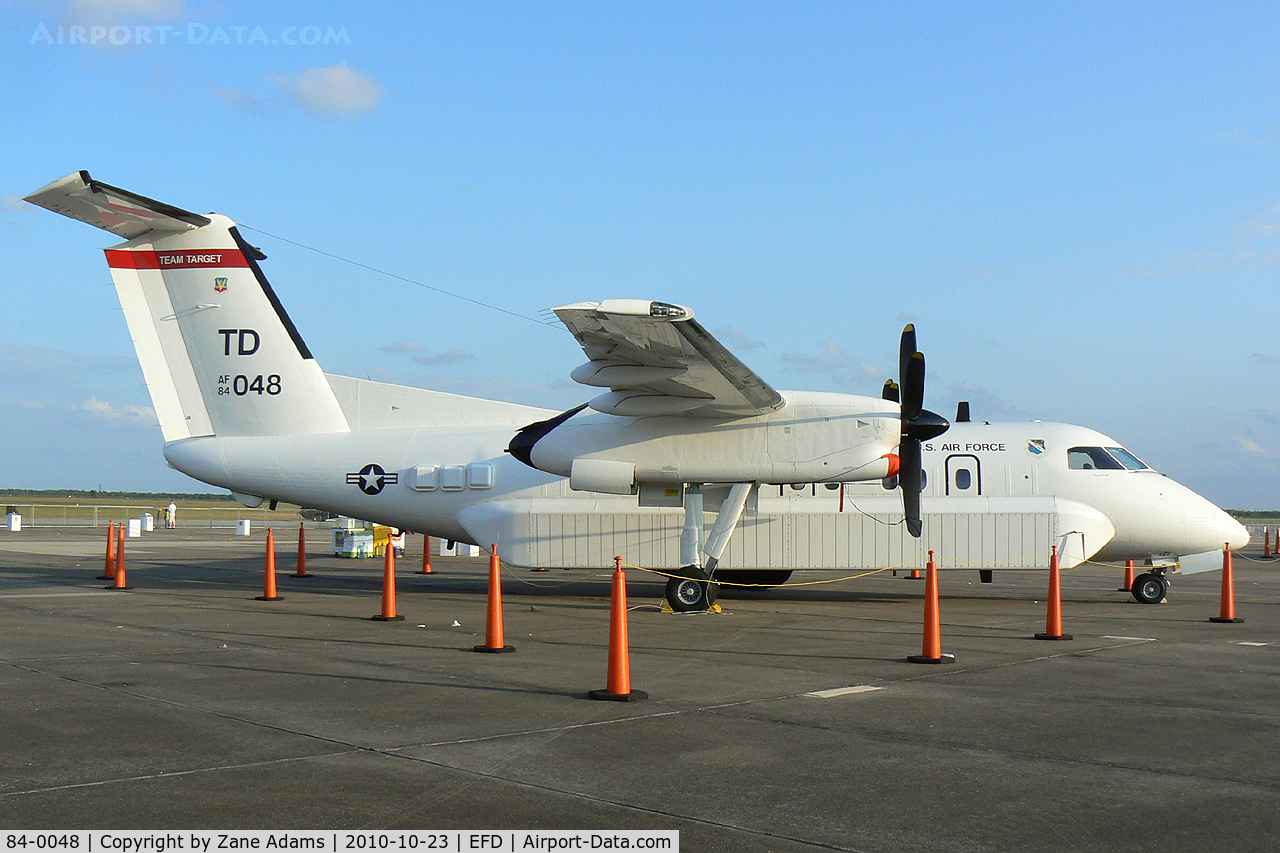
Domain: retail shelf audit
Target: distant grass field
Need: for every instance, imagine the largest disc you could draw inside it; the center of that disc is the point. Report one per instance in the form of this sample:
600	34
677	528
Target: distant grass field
78	511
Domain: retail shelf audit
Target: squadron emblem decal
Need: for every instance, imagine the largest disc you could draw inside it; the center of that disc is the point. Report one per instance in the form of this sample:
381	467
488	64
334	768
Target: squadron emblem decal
1037	447
220	283
371	478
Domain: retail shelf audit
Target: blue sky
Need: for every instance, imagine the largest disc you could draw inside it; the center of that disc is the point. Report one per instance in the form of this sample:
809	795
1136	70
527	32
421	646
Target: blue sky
1077	204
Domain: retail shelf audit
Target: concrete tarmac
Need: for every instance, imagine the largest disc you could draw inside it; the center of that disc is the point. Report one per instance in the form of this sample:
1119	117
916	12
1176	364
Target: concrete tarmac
185	703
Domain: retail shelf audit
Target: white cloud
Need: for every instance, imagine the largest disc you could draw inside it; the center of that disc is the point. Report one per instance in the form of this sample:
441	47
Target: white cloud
337	91
10	207
836	364
436	359
403	346
127	414
1201	263
734	339
116	11
1251	447
1251	245
242	102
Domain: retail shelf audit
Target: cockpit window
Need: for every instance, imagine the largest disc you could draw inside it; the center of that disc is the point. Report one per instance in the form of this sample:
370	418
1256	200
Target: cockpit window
1092	458
1129	461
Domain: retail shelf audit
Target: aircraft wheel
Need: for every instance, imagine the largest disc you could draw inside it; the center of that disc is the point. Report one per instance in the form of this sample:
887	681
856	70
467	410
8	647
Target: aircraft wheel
1149	588
692	592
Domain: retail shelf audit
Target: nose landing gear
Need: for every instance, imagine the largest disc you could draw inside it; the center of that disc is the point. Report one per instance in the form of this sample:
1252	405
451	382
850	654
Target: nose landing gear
1150	587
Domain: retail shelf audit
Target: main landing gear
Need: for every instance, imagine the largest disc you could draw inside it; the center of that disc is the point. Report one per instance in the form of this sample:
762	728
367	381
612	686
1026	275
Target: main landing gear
1150	587
694	587
691	591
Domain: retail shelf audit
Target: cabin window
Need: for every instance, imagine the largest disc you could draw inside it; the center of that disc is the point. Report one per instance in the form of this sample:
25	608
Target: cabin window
453	478
1126	458
1092	458
964	479
480	475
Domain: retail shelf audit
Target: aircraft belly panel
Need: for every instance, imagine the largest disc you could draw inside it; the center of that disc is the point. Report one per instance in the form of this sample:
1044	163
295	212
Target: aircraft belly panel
787	540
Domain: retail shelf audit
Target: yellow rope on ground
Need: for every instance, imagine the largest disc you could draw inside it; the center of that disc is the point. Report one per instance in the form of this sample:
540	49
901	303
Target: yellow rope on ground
594	573
777	585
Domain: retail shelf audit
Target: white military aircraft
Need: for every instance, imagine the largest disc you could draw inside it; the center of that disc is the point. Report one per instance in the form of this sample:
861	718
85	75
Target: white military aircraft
684	428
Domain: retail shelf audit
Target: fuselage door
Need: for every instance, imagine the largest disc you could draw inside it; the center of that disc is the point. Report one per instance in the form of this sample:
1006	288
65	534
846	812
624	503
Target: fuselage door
964	475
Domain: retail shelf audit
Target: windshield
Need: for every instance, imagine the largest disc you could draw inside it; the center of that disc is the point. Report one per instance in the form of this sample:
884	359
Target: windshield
1091	458
1130	461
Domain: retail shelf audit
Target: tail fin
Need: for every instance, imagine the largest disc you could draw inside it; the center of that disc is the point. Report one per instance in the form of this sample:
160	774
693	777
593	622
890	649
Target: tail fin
219	353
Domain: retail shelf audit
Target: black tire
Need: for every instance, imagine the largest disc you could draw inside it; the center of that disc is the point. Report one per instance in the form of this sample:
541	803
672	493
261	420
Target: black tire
690	592
1149	588
759	578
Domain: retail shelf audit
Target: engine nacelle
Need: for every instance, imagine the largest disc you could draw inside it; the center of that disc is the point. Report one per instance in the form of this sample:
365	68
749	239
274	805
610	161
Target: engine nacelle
814	438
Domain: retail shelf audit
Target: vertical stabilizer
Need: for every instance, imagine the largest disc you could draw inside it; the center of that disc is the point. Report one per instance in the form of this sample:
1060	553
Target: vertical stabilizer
219	353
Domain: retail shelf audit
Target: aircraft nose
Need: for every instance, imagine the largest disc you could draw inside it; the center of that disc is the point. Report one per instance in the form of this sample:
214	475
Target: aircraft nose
1213	533
1234	533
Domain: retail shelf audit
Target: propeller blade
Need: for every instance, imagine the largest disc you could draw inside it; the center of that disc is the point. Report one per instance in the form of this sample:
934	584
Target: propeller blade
910	480
913	388
890	392
906	349
917	426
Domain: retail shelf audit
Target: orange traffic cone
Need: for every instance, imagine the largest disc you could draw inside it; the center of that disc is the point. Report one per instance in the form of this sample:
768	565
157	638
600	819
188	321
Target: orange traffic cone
619	681
109	567
931	647
493	640
269	581
1228	611
1053	613
388	613
302	553
119	574
1128	577
426	555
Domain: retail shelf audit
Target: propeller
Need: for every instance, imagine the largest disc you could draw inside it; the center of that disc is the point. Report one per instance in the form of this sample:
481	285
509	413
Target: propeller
918	426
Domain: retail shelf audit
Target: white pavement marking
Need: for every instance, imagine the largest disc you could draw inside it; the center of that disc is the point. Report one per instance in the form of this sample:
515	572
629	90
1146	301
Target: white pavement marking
842	691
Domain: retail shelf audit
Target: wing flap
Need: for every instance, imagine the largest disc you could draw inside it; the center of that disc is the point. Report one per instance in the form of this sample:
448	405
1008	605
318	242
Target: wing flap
656	359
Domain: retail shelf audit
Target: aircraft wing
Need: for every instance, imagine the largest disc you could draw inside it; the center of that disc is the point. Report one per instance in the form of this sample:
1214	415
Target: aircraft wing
112	209
655	359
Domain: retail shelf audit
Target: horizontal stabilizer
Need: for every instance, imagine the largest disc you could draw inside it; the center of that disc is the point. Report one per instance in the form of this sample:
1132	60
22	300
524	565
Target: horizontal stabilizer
112	209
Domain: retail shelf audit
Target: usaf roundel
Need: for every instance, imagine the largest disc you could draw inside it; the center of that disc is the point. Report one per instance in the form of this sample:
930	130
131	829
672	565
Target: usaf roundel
371	478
